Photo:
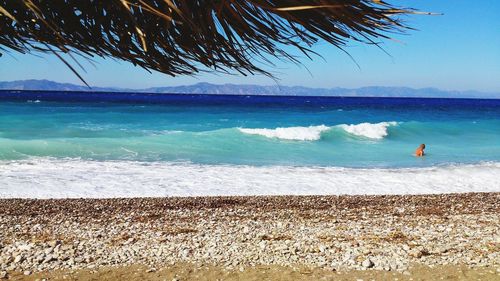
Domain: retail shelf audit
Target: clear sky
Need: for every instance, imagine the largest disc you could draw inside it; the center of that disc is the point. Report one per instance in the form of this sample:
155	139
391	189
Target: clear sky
459	50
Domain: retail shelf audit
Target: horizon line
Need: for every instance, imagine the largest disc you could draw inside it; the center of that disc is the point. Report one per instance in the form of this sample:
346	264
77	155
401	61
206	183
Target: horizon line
234	84
130	93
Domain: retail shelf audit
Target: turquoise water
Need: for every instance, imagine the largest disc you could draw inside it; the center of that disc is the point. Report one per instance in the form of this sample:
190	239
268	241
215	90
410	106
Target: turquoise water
318	134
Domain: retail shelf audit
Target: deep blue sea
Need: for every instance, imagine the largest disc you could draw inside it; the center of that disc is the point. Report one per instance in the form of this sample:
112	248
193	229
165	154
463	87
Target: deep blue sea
260	132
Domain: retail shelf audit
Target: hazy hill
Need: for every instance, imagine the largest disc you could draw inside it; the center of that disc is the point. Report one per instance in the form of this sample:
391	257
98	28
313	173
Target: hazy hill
234	89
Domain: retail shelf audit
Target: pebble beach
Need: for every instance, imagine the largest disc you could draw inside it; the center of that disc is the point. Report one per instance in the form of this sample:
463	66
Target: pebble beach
332	234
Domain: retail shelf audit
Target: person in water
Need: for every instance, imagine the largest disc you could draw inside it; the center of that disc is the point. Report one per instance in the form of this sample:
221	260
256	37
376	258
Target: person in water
420	151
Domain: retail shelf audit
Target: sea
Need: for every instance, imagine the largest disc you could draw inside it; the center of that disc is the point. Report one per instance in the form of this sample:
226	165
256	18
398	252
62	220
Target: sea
102	145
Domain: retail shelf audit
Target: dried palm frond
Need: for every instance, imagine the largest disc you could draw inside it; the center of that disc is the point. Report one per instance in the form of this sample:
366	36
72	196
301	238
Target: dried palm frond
180	37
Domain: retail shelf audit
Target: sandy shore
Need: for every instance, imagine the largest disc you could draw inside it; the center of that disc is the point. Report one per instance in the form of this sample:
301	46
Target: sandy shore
253	238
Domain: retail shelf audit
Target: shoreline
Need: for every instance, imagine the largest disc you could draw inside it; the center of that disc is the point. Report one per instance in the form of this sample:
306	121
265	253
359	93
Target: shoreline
376	233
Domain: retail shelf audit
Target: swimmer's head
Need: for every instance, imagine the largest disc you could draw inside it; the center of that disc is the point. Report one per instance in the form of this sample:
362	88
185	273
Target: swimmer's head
422	146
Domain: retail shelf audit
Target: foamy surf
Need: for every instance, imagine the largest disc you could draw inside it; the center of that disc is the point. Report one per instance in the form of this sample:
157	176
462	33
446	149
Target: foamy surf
375	131
74	178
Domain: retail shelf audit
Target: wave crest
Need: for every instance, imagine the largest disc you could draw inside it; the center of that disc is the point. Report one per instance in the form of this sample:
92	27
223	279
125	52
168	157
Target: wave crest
368	130
310	133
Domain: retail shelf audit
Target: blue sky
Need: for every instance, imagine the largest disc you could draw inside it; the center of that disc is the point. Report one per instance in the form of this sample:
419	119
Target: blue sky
459	50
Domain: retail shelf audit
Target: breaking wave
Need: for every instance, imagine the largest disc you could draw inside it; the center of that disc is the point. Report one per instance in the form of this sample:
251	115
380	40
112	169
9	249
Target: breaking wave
310	133
369	130
374	131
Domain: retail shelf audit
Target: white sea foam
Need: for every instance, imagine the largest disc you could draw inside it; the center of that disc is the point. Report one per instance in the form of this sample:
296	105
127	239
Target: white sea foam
72	178
368	130
310	133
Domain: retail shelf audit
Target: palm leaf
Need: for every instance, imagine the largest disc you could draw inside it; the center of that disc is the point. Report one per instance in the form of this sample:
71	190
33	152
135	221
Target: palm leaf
182	37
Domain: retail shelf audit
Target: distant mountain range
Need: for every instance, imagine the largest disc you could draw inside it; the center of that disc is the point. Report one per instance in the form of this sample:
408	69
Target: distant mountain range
234	89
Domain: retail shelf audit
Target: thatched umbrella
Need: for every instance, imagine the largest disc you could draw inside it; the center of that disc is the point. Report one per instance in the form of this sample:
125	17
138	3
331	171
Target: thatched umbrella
180	37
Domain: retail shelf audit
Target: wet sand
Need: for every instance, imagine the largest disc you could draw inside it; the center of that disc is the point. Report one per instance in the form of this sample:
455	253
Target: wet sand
190	272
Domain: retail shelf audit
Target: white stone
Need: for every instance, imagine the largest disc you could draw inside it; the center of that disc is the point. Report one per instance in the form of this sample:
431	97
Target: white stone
367	263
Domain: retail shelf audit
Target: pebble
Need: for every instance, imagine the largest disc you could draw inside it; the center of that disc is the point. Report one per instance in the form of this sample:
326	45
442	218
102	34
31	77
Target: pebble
367	263
246	237
416	253
18	259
